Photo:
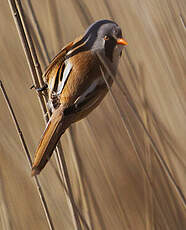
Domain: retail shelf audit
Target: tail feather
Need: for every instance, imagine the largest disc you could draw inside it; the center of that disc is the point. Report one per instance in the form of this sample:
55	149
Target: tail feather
55	128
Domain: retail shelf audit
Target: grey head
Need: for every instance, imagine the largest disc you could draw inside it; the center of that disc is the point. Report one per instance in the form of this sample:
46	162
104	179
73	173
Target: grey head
105	37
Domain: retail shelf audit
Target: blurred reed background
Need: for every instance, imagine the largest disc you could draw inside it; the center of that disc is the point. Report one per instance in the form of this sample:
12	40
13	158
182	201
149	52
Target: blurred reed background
116	183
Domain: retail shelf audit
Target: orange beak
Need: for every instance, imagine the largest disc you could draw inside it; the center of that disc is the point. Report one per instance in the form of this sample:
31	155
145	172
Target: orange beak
121	41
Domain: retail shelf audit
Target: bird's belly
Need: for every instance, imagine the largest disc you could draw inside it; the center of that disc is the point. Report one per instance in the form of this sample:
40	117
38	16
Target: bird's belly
84	107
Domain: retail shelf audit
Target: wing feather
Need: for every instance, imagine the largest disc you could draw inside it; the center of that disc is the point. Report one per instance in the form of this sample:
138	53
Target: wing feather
67	70
56	70
56	62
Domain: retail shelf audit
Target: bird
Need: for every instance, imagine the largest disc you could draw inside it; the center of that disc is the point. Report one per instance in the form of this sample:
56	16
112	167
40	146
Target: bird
75	84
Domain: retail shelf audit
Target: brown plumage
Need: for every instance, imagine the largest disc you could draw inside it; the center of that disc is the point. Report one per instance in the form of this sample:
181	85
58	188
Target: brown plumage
75	83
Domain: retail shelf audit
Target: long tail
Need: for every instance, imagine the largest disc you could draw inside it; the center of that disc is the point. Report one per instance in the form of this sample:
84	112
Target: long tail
54	129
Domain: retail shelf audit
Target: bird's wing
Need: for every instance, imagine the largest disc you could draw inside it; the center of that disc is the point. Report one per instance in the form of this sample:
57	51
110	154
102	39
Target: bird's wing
54	72
55	68
57	61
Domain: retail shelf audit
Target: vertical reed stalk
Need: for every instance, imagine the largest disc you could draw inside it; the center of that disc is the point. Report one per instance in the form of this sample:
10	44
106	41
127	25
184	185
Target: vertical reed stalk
36	76
158	155
38	30
21	137
26	48
126	123
5	215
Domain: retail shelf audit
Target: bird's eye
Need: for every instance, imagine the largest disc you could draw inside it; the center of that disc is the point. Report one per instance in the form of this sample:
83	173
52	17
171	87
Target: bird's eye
106	37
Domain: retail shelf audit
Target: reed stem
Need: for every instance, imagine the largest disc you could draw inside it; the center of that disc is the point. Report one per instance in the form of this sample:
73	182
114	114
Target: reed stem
25	148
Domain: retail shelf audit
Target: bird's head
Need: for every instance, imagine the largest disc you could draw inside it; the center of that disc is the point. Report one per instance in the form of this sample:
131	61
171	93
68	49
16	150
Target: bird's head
105	36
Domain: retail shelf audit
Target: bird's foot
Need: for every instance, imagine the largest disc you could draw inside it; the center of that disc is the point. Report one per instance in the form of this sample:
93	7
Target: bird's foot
44	87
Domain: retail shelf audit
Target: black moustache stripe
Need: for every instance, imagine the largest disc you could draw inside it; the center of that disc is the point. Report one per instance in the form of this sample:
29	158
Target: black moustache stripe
109	48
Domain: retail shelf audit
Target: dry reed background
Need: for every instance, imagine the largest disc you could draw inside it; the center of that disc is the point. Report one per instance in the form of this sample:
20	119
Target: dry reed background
108	181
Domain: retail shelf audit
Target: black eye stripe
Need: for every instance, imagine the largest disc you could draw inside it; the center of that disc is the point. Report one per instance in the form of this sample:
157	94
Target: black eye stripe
109	48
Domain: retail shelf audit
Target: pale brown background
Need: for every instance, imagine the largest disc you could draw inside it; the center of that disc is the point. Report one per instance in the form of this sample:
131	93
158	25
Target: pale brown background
110	187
